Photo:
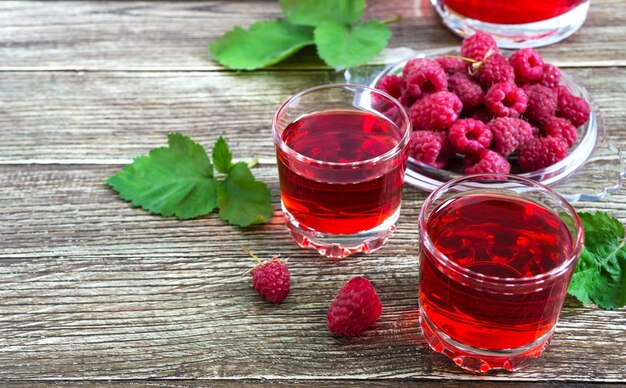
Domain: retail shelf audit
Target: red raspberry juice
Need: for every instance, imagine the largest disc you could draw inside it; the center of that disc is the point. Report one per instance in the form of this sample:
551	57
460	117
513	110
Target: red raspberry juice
501	236
512	11
341	200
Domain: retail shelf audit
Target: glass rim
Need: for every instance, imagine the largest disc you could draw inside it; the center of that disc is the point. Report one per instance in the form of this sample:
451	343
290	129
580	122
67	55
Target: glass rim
471	275
377	159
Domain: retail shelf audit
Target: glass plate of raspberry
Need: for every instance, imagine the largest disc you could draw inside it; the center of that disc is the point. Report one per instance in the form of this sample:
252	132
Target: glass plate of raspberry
593	168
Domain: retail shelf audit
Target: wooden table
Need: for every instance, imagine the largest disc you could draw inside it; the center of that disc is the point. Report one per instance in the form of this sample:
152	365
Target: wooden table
93	290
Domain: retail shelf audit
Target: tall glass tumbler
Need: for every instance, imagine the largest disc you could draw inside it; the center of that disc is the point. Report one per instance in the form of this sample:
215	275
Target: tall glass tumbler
497	256
342	152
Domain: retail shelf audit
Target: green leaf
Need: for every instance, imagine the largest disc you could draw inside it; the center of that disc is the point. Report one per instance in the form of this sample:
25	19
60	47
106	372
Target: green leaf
341	47
243	200
222	158
264	44
317	12
600	275
175	180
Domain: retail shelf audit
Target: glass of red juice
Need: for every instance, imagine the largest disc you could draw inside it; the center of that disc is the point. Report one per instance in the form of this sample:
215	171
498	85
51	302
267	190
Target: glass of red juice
496	259
342	152
515	24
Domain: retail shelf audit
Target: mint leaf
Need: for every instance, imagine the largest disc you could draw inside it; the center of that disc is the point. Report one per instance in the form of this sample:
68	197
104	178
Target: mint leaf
222	158
175	180
316	12
263	44
243	200
341	47
600	275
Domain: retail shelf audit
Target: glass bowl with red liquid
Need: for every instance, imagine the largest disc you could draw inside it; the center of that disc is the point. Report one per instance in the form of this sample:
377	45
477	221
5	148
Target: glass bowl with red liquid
342	155
593	168
514	24
497	255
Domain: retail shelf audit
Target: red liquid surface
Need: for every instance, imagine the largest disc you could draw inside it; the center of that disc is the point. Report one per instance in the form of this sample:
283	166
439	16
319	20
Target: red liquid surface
495	236
341	200
512	11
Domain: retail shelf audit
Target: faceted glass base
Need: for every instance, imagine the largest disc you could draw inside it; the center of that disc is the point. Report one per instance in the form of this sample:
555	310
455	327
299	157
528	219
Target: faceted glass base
516	36
338	246
481	360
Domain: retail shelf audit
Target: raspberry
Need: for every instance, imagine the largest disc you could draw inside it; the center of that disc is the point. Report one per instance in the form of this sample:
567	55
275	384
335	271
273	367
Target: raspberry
551	76
430	148
495	69
407	100
528	66
391	84
482	114
468	90
487	162
469	136
412	65
477	46
537	132
355	308
506	100
435	112
452	65
541	103
559	127
509	133
428	76
541	153
271	278
573	108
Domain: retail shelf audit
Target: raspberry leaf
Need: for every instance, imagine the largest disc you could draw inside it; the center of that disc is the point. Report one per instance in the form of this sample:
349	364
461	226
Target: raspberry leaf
341	46
317	12
263	44
222	157
175	180
243	200
600	275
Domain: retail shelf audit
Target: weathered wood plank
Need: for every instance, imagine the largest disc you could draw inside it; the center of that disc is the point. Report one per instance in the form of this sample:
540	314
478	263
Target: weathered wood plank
111	117
92	288
170	36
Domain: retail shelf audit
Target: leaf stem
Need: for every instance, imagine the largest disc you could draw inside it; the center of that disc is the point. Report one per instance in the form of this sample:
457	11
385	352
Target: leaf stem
395	19
244	249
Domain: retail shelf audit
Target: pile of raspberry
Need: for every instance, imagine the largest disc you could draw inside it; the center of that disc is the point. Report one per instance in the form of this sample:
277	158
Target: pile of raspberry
486	107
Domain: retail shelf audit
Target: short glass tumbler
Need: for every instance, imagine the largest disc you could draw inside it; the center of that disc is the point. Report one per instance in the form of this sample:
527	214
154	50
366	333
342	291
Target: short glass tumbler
497	256
515	24
342	153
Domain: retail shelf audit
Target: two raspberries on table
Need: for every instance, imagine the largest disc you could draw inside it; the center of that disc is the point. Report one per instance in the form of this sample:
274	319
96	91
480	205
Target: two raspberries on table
486	107
355	308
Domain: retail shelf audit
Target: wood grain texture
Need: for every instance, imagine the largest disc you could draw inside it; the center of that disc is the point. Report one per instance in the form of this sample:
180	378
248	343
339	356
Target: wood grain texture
94	289
161	35
95	117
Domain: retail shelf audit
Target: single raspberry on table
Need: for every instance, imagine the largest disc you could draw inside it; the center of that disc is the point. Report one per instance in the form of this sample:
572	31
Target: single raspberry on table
469	91
355	308
428	76
476	46
435	112
270	278
541	152
509	133
551	76
452	65
494	70
469	136
573	108
560	127
541	103
486	162
391	84
430	148
528	66
506	100
482	114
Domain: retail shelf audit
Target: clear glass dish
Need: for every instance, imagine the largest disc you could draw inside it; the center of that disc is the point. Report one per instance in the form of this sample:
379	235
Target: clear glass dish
594	167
